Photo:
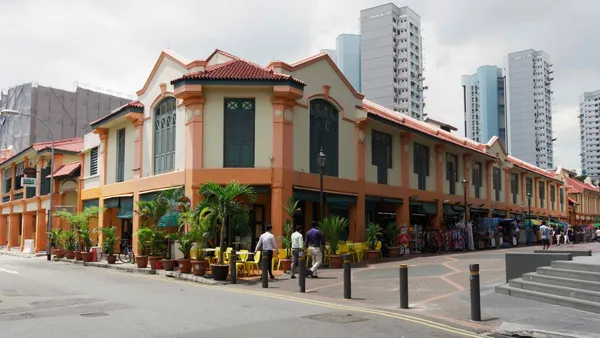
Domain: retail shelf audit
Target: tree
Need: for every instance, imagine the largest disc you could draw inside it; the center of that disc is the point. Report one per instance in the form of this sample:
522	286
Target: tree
152	211
80	222
290	208
221	203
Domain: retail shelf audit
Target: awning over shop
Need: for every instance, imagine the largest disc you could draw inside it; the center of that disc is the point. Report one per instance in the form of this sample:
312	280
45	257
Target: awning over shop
111	202
453	209
67	170
499	213
171	219
261	189
479	211
379	199
428	208
572	201
330	198
91	203
125	208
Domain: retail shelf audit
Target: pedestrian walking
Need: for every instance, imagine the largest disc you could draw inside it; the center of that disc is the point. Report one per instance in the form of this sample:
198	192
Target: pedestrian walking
569	236
558	232
551	238
297	248
314	242
266	244
545	233
598	235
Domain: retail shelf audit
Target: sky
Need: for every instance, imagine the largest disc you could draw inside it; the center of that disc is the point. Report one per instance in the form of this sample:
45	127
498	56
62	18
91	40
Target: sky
114	44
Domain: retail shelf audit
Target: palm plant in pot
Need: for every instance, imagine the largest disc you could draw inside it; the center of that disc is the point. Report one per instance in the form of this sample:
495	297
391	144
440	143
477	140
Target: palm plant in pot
290	208
197	231
332	228
109	240
220	204
77	221
177	204
186	242
372	234
56	236
155	241
151	212
392	232
70	244
85	234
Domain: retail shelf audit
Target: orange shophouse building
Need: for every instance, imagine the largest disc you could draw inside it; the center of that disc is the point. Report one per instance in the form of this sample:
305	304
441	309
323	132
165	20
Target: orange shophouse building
224	118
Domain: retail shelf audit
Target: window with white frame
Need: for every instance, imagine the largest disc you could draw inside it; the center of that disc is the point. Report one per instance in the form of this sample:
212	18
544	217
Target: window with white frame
164	135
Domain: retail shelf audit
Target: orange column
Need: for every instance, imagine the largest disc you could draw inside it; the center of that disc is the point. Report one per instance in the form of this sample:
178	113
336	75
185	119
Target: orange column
467	176
507	192
440	162
194	142
405	148
14	224
27	232
40	231
3	229
357	211
488	181
283	160
536	195
138	127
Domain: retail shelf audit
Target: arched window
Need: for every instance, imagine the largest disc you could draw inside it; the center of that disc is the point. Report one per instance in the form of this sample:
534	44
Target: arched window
164	135
324	132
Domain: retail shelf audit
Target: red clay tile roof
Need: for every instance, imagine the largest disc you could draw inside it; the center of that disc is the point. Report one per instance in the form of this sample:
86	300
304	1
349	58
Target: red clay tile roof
578	187
73	145
530	167
66	170
238	69
373	108
132	104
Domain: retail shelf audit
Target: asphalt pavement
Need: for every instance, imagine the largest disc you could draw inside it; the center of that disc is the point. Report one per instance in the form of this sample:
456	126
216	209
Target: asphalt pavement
55	299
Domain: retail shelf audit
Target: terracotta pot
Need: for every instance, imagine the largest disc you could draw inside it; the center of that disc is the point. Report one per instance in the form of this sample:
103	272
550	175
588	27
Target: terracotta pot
185	265
373	255
70	254
60	253
111	259
86	256
220	272
141	262
286	264
169	264
155	262
393	251
336	261
199	267
78	256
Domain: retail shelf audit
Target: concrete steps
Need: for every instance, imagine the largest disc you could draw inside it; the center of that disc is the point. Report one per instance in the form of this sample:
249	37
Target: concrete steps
565	283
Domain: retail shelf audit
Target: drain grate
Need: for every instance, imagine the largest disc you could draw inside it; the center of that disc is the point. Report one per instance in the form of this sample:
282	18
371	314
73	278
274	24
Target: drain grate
336	318
94	314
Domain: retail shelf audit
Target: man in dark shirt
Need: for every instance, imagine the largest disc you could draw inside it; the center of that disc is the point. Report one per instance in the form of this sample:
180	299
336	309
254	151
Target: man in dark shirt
314	241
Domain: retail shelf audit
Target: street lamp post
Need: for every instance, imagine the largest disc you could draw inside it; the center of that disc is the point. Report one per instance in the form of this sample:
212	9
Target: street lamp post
321	162
529	216
465	185
10	112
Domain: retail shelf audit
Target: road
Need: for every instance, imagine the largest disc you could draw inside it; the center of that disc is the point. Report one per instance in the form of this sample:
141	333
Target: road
53	299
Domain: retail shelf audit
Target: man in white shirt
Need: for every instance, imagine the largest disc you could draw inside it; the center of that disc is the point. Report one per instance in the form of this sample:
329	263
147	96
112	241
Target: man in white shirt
598	234
266	244
545	232
297	241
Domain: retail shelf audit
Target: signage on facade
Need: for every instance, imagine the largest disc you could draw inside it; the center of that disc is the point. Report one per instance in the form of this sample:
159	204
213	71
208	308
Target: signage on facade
28	182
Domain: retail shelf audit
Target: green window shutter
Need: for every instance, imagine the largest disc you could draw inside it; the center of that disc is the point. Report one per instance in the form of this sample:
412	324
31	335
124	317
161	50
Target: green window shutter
239	133
165	124
324	132
121	155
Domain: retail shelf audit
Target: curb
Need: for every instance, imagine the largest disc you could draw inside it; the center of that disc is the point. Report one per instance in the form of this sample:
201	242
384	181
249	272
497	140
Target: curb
21	255
132	269
190	278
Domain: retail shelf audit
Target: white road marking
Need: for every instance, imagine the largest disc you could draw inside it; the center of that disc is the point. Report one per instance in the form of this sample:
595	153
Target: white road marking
9	271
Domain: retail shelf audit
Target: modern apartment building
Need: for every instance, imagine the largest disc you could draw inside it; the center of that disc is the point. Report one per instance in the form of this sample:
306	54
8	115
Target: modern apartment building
589	121
392	58
529	79
67	113
346	56
485	104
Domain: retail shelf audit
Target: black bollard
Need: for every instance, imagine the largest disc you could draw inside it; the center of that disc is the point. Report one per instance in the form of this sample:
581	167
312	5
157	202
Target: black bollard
347	275
233	266
265	270
302	272
475	296
404	286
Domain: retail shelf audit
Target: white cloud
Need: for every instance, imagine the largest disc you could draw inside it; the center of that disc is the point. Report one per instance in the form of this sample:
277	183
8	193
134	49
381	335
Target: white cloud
114	44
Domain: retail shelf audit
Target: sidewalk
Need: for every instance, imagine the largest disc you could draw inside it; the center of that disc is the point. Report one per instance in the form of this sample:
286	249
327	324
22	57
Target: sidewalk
17	253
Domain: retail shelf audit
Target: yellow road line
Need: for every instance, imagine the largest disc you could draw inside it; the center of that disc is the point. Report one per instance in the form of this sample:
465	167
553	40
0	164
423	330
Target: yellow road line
424	322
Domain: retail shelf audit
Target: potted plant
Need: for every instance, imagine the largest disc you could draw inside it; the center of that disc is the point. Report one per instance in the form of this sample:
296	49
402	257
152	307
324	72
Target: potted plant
176	202
56	236
151	212
290	209
70	244
85	234
144	239
79	220
332	227
372	234
109	240
186	242
198	234
393	231
155	240
220	204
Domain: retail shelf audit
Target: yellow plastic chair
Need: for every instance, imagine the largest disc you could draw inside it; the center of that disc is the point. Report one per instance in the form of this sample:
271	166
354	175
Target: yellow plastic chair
378	248
251	265
281	254
358	252
215	258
